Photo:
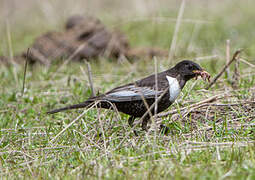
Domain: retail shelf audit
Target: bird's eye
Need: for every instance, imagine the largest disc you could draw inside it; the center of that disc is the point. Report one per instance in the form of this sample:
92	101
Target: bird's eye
189	67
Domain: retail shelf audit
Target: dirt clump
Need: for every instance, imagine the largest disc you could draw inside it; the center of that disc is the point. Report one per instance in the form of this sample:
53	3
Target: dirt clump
84	37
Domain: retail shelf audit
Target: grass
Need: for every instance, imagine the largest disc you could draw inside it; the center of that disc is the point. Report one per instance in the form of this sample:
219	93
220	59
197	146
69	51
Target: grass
213	141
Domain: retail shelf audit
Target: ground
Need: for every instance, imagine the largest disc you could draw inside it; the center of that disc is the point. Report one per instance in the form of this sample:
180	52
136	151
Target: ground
211	140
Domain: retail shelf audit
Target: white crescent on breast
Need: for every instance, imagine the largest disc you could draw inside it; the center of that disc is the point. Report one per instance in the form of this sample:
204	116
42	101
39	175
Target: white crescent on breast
174	88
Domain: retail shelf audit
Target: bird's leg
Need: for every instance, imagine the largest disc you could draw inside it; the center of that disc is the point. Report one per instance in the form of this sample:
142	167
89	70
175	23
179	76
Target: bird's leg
164	129
145	122
131	120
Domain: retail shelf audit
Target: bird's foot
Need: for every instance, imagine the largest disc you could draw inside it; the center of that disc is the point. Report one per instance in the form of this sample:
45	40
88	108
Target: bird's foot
131	120
145	128
164	129
135	132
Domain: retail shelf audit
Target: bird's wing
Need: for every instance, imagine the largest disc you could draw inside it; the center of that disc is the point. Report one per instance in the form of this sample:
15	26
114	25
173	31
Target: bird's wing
131	93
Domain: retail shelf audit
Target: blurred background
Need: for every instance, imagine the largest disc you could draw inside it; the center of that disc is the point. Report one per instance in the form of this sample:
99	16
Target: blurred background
205	26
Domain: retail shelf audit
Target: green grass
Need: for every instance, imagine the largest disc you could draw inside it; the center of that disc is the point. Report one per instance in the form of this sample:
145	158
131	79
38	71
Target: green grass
210	142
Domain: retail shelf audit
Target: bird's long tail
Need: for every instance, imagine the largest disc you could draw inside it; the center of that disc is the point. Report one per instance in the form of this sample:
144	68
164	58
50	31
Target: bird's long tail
75	106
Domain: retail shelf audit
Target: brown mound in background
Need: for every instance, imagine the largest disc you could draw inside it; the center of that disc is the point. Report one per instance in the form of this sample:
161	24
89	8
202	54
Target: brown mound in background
84	37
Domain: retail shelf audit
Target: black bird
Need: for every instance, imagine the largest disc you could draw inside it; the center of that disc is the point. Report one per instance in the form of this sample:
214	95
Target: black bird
135	98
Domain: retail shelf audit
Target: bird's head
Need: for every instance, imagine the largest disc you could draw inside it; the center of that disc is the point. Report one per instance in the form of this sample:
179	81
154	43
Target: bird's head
188	70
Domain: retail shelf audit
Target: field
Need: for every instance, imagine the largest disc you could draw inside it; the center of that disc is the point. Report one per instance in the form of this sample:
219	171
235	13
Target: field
212	132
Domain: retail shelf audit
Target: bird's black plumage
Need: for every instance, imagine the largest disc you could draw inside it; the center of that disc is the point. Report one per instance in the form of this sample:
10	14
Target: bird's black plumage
130	99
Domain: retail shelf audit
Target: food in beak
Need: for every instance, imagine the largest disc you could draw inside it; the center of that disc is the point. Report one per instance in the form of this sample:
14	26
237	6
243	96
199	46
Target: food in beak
205	75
